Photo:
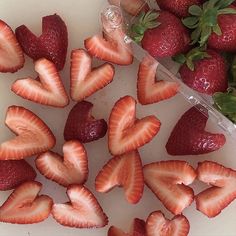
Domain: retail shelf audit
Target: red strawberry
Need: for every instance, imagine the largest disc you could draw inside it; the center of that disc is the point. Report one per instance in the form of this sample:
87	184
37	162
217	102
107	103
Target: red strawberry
161	34
51	44
84	80
178	7
127	133
157	224
49	90
207	74
81	125
25	206
137	229
133	7
33	135
14	173
111	48
72	169
189	136
12	57
223	191
168	180
150	90
123	171
83	210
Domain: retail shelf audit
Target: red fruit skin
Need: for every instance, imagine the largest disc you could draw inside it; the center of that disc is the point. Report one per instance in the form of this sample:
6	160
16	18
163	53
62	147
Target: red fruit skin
226	41
189	137
209	75
168	39
51	44
14	173
80	125
178	7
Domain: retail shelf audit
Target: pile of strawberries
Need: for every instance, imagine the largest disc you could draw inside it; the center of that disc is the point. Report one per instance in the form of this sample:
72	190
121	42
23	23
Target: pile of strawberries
168	180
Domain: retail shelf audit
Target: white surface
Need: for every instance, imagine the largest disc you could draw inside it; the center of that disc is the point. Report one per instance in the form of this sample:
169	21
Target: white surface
82	19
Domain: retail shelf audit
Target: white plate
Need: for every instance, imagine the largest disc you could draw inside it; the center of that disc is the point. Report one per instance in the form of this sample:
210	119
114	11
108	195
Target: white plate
82	19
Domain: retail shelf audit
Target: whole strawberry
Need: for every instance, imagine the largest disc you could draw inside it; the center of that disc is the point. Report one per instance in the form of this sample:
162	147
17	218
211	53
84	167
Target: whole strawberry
214	24
178	7
189	136
161	33
205	72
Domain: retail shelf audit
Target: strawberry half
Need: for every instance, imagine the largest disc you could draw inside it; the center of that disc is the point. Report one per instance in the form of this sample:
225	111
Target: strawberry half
149	90
111	48
157	224
84	80
123	171
49	90
51	44
83	210
127	133
25	206
223	191
33	135
14	173
137	229
72	169
168	180
12	56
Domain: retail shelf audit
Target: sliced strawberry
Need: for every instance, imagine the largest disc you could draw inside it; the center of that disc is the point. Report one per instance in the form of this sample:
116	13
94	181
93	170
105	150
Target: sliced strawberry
14	173
84	80
168	180
49	90
111	48
33	135
72	169
150	90
12	57
83	210
24	206
125	132
123	171
157	224
223	191
51	44
114	231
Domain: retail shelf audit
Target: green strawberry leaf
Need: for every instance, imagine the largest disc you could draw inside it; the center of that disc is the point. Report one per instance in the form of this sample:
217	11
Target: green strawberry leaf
180	58
190	64
227	11
195	10
206	32
216	29
224	3
190	22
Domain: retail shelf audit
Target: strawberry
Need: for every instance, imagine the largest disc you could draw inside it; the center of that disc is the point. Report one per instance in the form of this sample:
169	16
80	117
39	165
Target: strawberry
83	210
127	133
161	33
14	173
51	44
168	180
84	80
137	229
157	224
12	56
123	171
205	72
223	191
189	136
72	169
25	206
150	90
110	47
214	24
49	90
133	7
178	7
82	126
33	135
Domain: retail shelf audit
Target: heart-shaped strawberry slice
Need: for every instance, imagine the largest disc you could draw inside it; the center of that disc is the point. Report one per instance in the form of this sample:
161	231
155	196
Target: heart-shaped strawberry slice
72	169
158	225
83	210
126	133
